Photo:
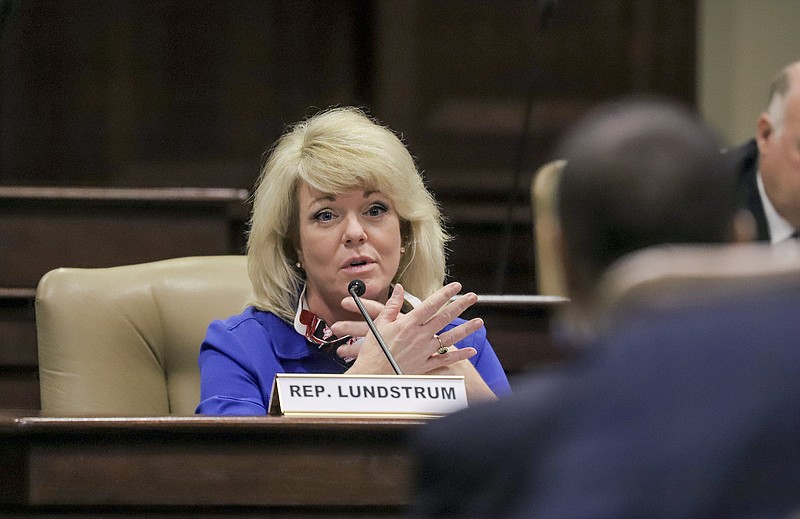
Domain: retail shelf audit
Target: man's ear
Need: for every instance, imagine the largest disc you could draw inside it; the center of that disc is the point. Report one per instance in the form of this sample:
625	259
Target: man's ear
743	227
763	131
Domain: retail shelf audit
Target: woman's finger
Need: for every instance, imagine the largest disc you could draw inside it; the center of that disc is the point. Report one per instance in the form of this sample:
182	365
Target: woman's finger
373	308
352	328
461	332
452	356
434	303
451	311
385	314
349	351
391	309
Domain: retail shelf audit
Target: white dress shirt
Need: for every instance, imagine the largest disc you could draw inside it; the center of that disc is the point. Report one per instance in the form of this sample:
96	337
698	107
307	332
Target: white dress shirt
779	229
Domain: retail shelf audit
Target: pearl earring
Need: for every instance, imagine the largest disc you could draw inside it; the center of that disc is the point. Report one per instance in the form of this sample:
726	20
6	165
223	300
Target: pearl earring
298	265
402	250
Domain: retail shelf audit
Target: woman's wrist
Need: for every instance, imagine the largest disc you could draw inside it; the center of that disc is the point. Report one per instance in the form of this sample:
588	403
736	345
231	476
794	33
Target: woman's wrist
370	365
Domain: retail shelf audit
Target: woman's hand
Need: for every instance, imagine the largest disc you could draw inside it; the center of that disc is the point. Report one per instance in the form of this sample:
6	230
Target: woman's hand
410	337
477	390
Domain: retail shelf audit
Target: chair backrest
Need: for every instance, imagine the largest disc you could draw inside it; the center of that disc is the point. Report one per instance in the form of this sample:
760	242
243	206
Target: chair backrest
672	276
657	287
125	340
544	196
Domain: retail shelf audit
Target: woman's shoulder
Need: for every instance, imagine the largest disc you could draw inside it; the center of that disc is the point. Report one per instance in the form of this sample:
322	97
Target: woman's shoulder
248	330
250	317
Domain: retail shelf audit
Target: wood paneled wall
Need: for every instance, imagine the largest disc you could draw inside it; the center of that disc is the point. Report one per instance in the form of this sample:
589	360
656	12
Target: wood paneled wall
190	94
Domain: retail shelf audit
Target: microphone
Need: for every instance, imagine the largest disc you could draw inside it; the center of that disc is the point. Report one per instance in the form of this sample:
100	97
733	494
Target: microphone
357	288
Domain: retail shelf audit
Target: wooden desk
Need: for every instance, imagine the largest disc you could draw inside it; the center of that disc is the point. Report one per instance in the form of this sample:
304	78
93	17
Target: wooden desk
202	466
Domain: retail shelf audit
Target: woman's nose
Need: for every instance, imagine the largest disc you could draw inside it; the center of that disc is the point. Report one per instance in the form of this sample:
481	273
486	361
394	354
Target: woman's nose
354	231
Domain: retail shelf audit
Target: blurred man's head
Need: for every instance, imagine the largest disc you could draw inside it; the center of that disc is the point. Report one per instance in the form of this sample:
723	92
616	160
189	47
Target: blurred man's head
639	173
778	138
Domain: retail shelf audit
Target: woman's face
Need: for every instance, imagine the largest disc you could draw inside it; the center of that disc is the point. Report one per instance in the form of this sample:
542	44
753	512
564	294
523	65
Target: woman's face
355	235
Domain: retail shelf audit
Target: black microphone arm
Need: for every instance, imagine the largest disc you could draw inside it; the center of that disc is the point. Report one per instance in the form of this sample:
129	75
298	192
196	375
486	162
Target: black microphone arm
357	288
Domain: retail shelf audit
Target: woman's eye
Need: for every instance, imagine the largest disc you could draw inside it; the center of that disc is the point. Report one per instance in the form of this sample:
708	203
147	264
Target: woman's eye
376	210
324	216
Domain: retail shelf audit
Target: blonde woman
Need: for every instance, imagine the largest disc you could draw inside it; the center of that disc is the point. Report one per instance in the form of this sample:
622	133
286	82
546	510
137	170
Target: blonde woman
339	199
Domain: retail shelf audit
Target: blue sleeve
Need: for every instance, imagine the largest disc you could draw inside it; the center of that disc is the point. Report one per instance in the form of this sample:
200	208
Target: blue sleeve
230	382
485	361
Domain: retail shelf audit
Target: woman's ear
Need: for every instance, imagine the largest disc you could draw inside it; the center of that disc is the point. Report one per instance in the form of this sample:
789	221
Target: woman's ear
406	238
406	233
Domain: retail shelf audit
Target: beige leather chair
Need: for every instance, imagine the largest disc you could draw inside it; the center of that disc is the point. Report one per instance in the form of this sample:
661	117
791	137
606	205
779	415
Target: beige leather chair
125	340
544	192
674	276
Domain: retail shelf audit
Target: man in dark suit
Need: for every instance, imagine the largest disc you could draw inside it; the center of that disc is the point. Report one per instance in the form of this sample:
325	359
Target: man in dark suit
700	420
769	165
692	421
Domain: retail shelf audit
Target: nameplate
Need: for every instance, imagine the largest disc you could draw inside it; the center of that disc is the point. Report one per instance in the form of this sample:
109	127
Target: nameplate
407	396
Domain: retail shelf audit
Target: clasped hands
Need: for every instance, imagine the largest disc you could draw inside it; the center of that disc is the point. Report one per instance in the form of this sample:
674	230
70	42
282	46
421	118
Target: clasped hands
410	337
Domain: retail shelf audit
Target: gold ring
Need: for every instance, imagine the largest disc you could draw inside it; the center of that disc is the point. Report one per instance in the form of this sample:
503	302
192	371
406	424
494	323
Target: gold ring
442	348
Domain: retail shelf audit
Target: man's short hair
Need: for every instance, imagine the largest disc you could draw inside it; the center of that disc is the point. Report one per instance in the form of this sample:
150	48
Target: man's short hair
776	103
641	173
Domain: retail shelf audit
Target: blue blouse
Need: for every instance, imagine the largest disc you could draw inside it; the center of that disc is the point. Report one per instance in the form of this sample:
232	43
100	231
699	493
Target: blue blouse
241	355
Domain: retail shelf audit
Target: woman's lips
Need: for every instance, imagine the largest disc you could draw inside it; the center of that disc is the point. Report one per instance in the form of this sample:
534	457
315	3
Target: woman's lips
358	266
357	262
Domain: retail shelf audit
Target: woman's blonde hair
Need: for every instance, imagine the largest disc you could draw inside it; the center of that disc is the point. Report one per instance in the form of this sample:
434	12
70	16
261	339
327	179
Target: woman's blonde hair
337	151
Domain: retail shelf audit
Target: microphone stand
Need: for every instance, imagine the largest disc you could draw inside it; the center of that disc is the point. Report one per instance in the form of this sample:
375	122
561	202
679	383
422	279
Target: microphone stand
547	10
356	288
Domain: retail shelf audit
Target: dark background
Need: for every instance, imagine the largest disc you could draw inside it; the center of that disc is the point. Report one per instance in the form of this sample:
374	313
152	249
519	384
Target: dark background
191	93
